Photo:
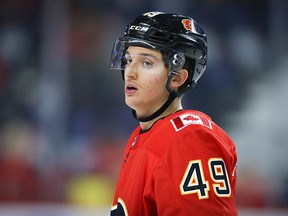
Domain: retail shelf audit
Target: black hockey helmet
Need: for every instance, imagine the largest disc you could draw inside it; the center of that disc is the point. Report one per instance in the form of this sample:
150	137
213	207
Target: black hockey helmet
178	37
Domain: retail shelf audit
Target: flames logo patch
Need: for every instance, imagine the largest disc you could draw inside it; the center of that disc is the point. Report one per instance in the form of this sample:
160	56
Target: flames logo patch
187	23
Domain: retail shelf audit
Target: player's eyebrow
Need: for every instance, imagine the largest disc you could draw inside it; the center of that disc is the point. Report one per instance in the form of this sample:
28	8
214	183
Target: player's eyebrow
143	54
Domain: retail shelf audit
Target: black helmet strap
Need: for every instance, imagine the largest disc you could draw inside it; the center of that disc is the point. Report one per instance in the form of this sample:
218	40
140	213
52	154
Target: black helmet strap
170	99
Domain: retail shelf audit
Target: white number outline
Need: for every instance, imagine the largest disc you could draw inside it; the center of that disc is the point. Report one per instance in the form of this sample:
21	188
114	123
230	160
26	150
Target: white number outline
191	182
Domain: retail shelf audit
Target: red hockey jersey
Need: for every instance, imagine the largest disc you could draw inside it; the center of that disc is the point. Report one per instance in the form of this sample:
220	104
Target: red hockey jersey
184	165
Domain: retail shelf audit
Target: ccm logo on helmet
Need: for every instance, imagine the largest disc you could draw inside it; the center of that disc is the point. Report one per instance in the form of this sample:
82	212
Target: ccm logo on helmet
139	28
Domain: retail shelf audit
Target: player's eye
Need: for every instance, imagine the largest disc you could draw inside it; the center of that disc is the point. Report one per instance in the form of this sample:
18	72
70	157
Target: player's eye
147	64
127	61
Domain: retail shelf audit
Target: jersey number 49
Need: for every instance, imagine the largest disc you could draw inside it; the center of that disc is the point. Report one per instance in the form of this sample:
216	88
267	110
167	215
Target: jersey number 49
194	181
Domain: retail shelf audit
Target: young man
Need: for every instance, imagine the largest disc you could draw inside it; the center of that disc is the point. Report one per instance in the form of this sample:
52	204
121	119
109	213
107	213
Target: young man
176	162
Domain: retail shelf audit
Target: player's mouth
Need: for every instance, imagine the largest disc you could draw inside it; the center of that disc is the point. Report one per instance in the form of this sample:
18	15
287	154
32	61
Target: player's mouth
130	88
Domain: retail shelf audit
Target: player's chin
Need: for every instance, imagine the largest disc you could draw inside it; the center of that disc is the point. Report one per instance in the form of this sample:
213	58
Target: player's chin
131	102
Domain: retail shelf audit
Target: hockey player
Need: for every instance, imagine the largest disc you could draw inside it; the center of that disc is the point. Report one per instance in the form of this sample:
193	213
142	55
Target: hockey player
177	161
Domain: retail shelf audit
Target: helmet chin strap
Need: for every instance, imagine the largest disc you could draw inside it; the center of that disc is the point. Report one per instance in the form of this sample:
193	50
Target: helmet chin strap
170	99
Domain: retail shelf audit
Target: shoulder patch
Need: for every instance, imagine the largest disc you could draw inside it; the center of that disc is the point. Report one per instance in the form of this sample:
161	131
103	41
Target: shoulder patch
181	121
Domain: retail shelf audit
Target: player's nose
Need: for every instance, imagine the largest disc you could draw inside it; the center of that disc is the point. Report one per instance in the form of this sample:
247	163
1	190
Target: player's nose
131	72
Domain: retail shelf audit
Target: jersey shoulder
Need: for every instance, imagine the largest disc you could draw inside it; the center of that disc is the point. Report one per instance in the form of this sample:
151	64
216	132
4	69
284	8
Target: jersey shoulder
193	123
166	131
192	120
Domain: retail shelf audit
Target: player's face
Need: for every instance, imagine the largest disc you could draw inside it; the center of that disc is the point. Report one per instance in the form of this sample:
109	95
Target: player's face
145	80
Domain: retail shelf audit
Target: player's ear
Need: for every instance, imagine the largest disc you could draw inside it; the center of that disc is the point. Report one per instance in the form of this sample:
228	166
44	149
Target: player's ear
179	79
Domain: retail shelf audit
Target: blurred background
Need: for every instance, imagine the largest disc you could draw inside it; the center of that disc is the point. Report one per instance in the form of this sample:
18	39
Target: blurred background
64	123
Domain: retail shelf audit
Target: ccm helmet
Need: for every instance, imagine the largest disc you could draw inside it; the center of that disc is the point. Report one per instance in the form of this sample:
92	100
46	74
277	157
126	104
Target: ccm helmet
178	37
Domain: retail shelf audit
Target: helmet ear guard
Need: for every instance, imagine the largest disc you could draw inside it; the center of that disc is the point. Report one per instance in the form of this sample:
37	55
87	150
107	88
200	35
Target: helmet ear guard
192	64
175	61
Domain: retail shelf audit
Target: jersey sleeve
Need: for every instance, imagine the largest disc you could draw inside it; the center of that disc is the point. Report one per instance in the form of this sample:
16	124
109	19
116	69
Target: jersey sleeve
194	177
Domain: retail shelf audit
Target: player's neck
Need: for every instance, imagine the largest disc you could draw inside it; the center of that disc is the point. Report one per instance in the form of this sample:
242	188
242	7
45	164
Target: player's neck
174	107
